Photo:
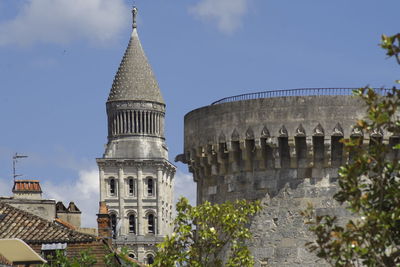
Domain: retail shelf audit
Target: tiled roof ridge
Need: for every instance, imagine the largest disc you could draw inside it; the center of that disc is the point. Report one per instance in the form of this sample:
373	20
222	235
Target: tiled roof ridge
64	223
80	237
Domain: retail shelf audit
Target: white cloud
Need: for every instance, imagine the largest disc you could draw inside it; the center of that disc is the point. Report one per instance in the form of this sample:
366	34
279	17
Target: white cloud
84	192
63	21
5	187
185	186
227	14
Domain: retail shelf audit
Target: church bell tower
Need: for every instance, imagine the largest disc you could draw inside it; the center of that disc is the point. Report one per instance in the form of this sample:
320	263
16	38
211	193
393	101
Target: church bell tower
136	178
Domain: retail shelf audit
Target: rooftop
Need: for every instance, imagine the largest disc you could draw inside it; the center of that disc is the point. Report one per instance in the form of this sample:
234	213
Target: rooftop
294	92
32	229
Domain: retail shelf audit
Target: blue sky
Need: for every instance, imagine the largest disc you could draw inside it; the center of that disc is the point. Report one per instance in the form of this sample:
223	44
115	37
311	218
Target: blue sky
58	59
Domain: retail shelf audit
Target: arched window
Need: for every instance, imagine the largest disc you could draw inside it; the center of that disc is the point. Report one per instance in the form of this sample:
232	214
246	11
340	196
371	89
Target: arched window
132	224
150	187
150	224
131	255
114	225
112	186
150	259
131	187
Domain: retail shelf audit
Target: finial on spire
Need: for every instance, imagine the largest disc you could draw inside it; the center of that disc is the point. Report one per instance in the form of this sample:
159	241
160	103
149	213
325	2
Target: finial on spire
134	14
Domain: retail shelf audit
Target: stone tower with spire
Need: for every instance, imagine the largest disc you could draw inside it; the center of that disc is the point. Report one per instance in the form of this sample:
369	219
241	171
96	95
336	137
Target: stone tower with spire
136	178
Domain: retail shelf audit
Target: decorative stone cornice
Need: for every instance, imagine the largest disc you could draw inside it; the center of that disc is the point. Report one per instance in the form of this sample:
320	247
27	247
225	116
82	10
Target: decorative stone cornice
138	163
135	105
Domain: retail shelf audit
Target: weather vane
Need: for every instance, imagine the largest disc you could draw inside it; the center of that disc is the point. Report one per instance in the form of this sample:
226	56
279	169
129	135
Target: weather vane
134	14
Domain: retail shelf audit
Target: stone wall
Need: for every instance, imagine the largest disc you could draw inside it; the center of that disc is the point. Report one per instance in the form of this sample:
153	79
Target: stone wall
73	218
284	151
44	208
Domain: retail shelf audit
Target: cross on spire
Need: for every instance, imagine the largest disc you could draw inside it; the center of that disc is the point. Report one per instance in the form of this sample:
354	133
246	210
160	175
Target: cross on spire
134	14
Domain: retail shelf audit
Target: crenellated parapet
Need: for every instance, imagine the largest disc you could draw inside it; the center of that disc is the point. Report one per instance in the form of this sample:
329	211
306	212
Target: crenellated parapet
276	133
319	149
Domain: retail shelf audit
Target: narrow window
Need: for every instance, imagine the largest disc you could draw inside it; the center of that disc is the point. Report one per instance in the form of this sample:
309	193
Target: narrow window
154	123
130	122
132	224
150	187
150	222
135	122
114	124
143	122
119	122
150	259
114	225
139	121
112	187
147	123
123	124
131	187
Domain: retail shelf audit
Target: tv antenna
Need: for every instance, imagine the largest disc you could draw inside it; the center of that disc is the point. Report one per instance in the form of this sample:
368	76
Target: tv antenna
15	160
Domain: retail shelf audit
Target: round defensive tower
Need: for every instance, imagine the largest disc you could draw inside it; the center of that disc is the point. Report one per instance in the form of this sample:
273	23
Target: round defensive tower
281	147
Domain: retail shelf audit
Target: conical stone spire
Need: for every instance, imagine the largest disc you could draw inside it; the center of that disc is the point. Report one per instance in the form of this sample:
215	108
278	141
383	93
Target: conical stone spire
135	79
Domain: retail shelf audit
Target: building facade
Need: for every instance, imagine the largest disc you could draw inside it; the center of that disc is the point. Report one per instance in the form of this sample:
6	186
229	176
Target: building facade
282	148
136	178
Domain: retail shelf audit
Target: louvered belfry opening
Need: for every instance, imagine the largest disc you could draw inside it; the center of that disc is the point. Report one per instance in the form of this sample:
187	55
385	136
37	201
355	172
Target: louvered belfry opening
136	122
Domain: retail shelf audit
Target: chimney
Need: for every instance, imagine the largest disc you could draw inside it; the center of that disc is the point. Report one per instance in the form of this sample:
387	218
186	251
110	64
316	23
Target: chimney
104	222
27	189
71	215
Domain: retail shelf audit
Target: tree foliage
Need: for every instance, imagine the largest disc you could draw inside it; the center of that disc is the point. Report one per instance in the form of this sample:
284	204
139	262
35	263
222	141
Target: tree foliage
61	260
204	233
86	259
369	186
122	255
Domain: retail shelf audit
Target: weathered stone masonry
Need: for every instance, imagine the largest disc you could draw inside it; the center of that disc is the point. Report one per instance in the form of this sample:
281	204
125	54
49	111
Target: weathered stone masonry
284	151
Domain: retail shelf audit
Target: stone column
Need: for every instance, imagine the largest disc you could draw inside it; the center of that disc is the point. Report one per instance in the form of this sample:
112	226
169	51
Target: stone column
139	201
103	191
171	195
160	228
121	199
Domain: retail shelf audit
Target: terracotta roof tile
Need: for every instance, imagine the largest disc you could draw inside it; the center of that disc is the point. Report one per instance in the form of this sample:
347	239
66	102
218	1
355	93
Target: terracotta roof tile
33	229
27	186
